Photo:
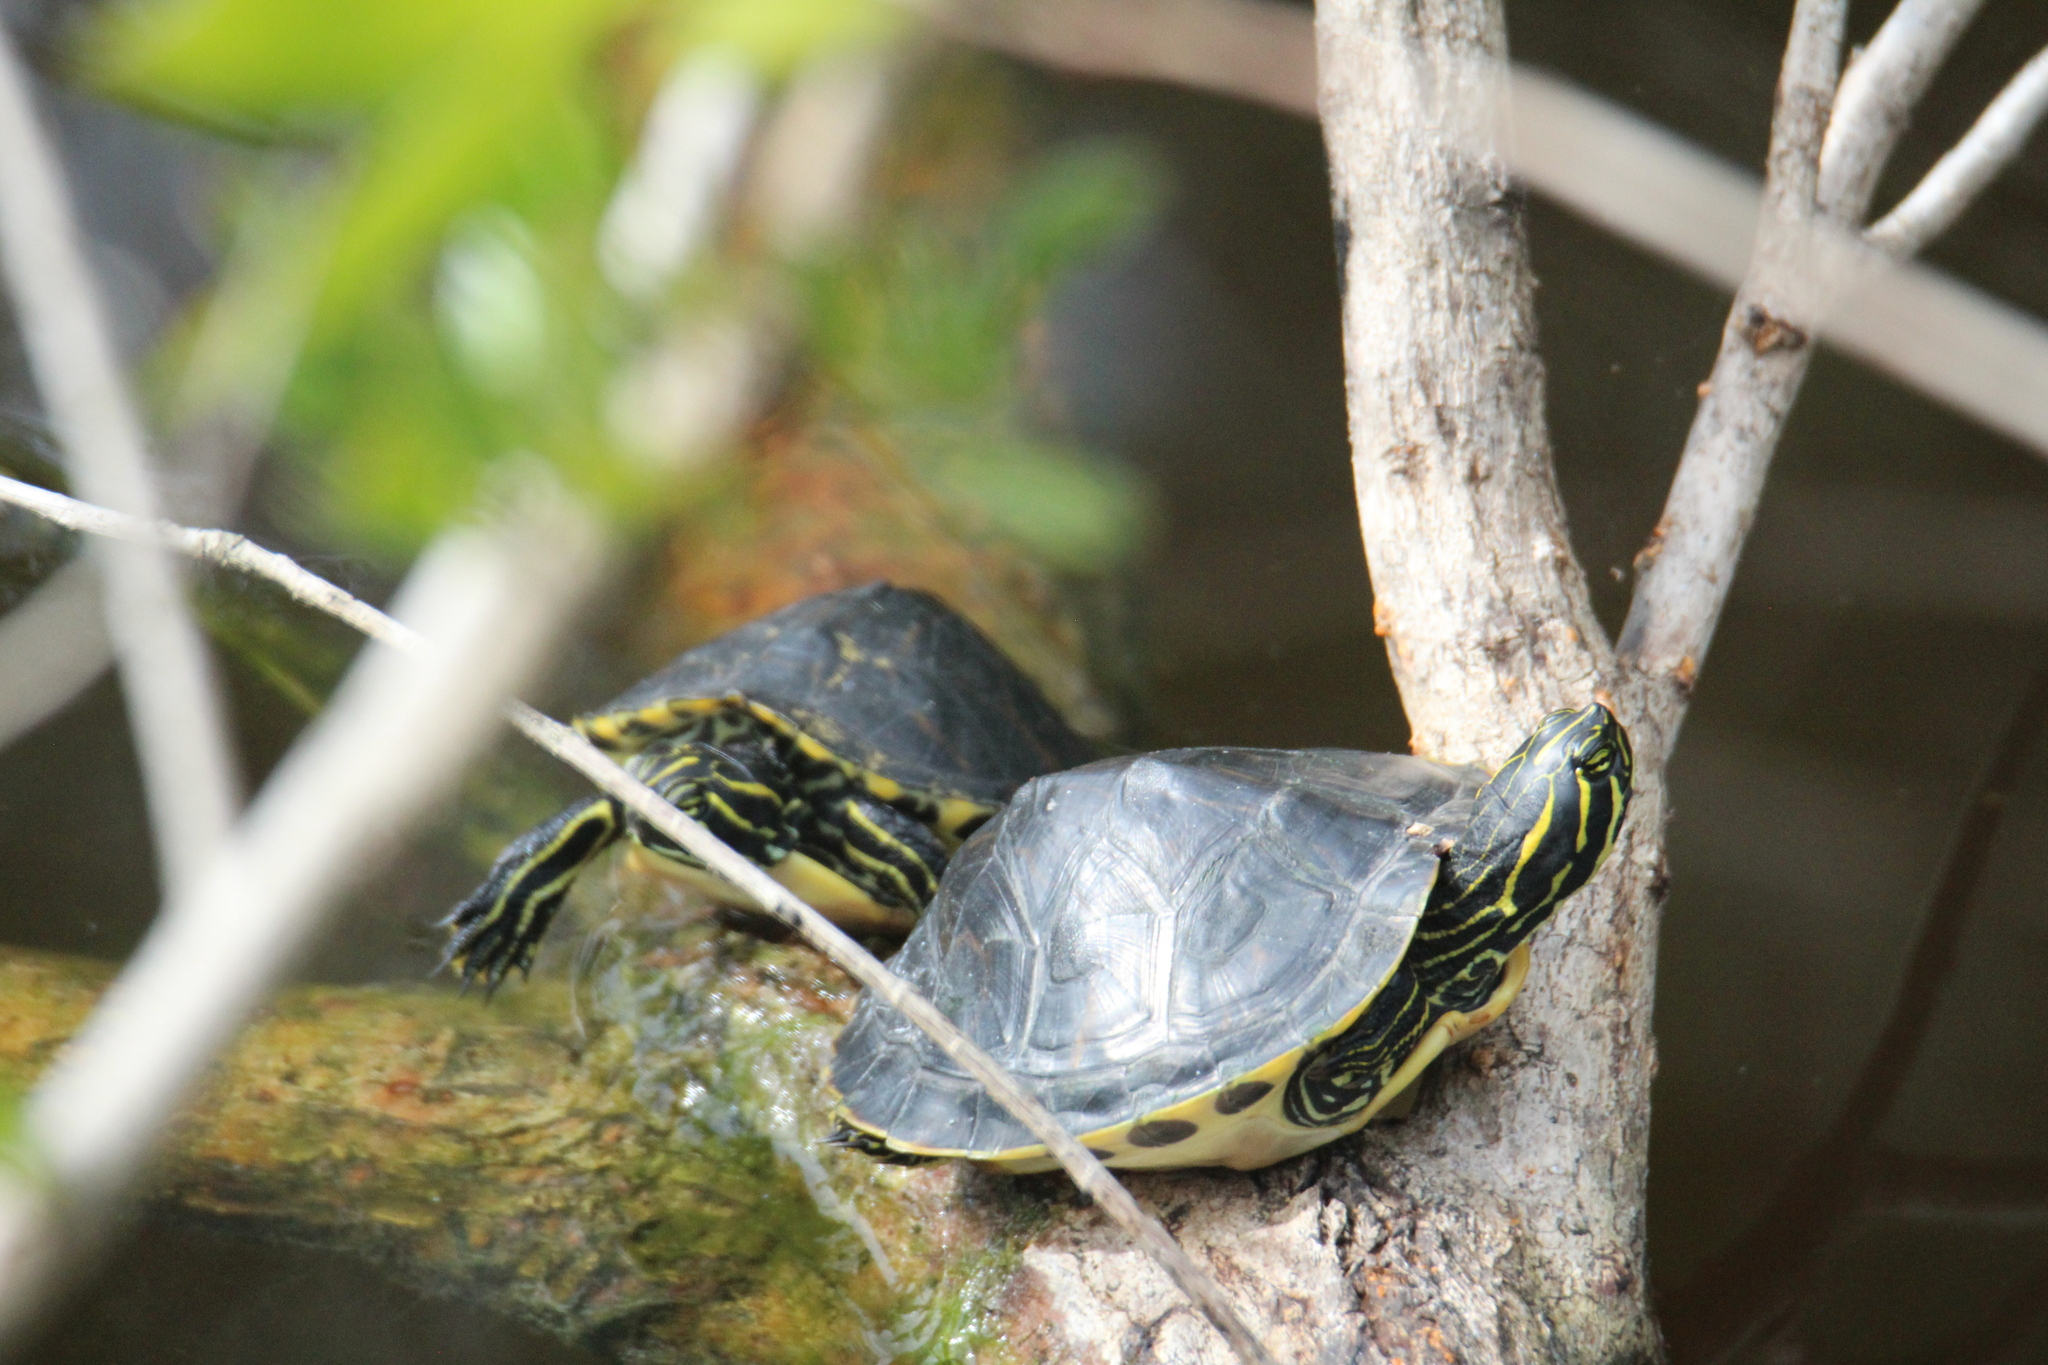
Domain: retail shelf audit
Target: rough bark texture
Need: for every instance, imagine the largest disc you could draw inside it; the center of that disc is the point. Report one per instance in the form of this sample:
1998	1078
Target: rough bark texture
1504	1221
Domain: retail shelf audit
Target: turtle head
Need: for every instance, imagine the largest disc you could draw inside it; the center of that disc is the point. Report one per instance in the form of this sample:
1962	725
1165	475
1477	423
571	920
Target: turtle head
1545	822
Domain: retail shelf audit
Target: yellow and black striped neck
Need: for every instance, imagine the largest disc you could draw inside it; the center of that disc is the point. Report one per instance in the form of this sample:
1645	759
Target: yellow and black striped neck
1540	828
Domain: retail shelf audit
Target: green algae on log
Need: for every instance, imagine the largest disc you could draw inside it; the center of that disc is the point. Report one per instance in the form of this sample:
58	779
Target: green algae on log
633	1165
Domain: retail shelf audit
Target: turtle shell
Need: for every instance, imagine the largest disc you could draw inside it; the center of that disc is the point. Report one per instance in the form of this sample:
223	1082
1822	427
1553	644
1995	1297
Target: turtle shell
889	679
1135	933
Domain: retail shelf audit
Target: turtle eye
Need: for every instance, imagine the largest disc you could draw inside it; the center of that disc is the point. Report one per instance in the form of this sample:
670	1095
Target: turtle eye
1599	761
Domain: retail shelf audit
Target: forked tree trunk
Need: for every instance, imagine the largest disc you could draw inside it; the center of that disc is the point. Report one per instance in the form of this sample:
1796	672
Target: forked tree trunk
1503	1222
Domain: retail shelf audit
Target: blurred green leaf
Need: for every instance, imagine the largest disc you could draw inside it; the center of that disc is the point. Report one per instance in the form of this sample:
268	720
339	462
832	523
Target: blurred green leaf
780	35
18	1151
1073	207
300	66
1076	511
932	314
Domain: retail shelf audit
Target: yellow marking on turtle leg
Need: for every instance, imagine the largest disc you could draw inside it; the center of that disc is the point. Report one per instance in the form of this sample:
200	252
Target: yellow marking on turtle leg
882	866
718	803
954	812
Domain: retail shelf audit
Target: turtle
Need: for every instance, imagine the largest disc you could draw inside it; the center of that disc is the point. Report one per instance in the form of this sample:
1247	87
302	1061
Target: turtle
1228	956
846	743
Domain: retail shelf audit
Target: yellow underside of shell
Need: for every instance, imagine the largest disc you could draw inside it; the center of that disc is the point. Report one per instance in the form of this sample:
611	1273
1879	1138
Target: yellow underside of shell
1261	1134
809	880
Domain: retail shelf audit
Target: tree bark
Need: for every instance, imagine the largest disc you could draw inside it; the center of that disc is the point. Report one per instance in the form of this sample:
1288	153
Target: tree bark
1504	1221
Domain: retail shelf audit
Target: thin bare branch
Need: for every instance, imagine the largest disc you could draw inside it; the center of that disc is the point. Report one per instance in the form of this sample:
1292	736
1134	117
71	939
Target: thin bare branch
1644	183
175	711
1877	96
1754	1281
1252	49
53	643
1959	177
395	735
1089	1174
1689	564
1955	343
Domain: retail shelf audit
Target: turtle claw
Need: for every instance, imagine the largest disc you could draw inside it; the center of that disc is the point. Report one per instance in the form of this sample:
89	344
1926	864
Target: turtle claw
500	925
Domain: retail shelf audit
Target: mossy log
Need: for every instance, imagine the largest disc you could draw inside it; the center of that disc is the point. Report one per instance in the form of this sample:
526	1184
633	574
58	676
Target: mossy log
635	1168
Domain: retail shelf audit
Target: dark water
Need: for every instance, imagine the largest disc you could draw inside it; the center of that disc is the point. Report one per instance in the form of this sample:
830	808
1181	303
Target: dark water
1892	607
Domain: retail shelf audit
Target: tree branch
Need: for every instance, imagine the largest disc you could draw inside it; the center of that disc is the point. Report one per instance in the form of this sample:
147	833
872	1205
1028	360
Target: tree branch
1485	1228
1878	92
180	730
1959	177
394	735
1252	49
1687	567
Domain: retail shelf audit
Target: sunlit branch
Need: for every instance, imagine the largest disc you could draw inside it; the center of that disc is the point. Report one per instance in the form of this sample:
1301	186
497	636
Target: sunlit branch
1252	49
175	711
395	735
1959	177
1876	98
1685	571
234	551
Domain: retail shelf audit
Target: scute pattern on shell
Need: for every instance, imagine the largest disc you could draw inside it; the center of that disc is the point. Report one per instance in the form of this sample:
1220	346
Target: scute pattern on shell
889	678
1130	934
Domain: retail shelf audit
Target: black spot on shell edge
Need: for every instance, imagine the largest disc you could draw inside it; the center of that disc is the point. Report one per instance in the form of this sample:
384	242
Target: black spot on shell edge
1242	1096
1162	1132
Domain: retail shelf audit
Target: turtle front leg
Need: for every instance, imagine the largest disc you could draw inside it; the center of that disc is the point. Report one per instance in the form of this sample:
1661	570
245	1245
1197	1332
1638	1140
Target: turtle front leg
737	787
893	857
1343	1074
500	925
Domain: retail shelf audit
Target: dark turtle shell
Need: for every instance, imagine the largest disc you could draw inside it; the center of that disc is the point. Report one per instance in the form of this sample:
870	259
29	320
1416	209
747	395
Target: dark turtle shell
1138	932
889	679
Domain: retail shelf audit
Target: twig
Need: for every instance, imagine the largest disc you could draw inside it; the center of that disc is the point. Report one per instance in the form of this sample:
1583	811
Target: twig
1955	343
1253	49
1959	177
1089	1174
1876	98
53	643
1689	563
1752	1282
188	769
395	735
